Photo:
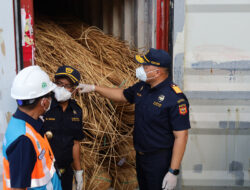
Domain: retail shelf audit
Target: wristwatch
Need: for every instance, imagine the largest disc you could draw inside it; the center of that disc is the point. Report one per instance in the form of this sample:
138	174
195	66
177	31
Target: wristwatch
175	171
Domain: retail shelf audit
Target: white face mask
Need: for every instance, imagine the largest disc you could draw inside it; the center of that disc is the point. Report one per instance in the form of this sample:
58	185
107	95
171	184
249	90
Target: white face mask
142	75
61	94
46	110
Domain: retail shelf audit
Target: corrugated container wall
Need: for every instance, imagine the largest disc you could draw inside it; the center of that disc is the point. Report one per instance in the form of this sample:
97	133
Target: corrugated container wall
139	17
212	65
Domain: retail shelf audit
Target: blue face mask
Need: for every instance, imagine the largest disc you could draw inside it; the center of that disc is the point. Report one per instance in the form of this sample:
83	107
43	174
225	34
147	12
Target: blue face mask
142	75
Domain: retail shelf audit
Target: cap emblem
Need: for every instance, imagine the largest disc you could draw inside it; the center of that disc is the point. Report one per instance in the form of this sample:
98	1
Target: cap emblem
69	70
139	59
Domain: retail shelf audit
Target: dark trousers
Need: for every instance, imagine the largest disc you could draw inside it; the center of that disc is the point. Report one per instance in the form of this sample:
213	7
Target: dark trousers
151	168
67	179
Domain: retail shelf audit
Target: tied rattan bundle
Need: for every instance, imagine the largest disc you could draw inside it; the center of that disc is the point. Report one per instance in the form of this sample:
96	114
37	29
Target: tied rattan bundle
102	60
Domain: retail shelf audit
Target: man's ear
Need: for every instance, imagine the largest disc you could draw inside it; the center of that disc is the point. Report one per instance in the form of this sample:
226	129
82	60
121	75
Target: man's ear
41	102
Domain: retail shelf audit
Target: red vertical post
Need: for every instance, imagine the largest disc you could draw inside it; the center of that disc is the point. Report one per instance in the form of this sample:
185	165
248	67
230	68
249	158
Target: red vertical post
167	17
28	40
158	24
162	24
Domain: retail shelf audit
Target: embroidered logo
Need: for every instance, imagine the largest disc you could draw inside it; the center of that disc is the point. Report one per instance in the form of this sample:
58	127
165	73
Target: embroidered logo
183	109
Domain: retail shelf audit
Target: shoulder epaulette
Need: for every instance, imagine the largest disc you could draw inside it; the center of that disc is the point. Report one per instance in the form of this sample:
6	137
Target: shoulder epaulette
176	89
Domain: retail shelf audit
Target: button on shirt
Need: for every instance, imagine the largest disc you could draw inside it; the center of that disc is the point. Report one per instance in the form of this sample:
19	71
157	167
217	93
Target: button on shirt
22	155
158	112
66	127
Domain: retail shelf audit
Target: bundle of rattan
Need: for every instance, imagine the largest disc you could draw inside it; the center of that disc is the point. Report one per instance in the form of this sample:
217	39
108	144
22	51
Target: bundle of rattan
106	48
108	126
125	179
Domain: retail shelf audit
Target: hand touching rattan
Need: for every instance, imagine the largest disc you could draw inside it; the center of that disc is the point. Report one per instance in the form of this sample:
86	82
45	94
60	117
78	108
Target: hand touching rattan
86	88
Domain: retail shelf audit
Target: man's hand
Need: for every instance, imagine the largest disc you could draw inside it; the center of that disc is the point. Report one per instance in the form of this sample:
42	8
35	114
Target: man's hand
86	88
169	181
79	179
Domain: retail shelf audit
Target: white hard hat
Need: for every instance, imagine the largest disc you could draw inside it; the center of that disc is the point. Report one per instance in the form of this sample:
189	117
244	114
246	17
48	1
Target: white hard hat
31	82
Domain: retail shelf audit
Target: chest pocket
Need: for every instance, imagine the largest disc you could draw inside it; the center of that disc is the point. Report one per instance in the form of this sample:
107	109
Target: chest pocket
156	112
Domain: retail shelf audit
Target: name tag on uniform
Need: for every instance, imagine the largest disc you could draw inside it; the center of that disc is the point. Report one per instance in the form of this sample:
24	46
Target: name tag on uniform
50	118
75	119
139	94
157	104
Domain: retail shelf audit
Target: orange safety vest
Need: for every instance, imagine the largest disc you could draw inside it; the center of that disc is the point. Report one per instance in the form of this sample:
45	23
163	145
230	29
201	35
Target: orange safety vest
44	167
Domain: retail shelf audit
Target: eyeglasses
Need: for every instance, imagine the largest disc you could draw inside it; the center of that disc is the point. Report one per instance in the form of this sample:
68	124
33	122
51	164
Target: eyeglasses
60	84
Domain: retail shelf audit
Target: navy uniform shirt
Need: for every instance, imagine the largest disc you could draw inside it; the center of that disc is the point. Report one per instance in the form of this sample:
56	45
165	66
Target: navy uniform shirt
66	127
22	155
158	112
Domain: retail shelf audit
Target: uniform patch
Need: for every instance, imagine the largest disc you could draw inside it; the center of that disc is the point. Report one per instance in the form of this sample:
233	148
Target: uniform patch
161	98
74	112
180	100
176	89
183	109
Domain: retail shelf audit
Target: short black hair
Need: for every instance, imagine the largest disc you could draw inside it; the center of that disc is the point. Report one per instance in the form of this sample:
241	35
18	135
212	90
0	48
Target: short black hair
32	103
28	104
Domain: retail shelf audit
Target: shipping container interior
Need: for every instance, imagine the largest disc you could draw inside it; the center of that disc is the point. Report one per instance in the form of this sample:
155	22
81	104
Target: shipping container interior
111	16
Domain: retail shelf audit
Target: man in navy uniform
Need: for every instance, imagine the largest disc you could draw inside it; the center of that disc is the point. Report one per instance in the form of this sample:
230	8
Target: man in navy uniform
161	120
63	127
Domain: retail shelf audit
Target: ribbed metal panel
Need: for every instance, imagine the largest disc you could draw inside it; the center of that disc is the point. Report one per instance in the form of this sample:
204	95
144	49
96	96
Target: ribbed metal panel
130	20
212	65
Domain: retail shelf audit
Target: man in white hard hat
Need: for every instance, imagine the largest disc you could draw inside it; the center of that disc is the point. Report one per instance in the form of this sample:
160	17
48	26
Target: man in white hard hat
27	157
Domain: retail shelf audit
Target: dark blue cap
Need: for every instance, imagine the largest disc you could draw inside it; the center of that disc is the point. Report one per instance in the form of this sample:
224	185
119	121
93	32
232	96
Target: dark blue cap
69	72
155	57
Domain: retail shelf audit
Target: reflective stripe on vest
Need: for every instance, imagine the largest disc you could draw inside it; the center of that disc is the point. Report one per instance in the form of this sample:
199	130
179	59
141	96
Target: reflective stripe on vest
44	180
44	167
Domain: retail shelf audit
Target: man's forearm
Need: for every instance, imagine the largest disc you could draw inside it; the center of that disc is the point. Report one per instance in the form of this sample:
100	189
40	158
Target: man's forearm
115	94
178	150
76	156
